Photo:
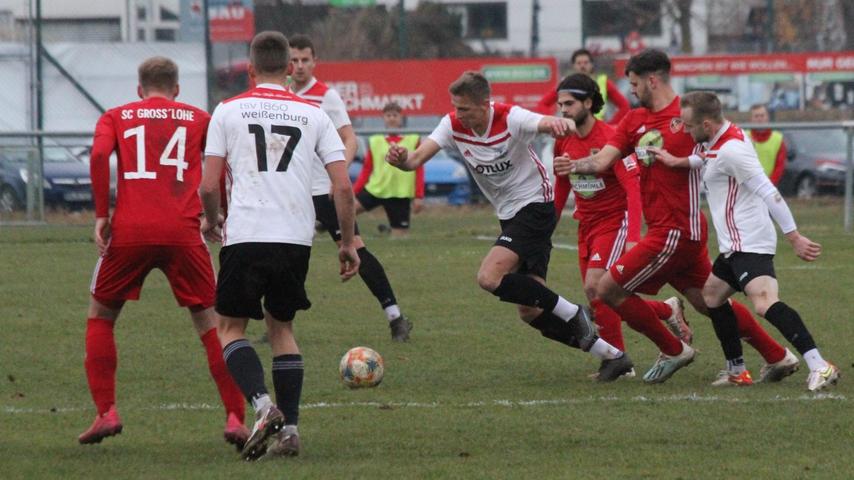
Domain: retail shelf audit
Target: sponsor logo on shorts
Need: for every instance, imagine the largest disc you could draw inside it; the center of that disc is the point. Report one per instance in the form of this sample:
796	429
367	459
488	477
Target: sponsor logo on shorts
505	238
620	269
743	276
596	257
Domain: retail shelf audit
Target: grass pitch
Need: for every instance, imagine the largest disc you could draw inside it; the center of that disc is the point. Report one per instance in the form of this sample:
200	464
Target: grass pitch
475	394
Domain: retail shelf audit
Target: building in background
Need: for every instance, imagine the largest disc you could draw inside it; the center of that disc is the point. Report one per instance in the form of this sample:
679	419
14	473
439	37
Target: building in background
93	20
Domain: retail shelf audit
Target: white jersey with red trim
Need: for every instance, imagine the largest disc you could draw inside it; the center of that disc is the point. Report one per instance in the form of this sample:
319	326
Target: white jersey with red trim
320	94
271	140
741	218
502	161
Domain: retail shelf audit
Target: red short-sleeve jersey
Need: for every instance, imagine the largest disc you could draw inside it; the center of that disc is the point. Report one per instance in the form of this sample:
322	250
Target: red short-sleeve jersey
671	196
159	145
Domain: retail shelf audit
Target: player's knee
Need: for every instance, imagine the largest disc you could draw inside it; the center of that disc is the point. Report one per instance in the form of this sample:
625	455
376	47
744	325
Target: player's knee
488	281
606	291
591	292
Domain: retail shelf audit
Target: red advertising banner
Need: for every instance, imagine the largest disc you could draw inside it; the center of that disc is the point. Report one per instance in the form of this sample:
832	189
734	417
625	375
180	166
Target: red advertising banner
421	86
747	64
231	21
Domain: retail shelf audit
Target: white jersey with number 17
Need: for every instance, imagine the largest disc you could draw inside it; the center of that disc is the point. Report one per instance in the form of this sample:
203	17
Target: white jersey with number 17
271	139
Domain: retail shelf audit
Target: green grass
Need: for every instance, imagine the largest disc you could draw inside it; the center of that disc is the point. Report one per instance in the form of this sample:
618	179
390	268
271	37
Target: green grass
475	394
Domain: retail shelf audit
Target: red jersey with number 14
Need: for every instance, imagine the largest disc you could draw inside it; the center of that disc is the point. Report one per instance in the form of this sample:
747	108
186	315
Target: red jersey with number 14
159	144
671	196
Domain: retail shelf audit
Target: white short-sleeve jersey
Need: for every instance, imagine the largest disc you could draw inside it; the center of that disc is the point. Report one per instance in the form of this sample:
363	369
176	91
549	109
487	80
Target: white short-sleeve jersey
318	93
502	161
741	218
271	141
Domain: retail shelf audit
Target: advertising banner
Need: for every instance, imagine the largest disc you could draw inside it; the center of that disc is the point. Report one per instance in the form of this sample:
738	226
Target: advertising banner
421	86
787	81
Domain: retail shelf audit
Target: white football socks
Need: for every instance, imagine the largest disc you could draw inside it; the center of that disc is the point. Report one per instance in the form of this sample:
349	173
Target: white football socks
261	403
814	360
392	312
564	309
604	350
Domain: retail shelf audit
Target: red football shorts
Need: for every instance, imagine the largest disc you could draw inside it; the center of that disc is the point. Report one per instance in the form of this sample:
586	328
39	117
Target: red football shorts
119	274
663	256
601	243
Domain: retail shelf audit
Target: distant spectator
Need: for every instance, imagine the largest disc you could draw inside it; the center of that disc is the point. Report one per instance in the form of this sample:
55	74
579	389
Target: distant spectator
582	62
379	183
769	144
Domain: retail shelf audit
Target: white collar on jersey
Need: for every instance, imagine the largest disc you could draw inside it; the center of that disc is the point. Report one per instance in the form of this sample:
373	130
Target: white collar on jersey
304	89
271	86
718	134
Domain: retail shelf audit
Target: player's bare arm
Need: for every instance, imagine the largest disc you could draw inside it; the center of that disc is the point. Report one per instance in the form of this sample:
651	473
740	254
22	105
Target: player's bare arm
348	136
345	207
403	159
556	126
603	160
210	195
668	159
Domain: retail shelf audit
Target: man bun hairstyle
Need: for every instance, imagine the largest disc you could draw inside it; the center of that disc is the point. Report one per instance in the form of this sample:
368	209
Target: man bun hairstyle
649	61
268	53
158	73
582	87
471	84
301	42
704	105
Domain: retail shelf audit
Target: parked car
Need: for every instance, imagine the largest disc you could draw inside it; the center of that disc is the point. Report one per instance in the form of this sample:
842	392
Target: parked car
66	179
816	163
445	177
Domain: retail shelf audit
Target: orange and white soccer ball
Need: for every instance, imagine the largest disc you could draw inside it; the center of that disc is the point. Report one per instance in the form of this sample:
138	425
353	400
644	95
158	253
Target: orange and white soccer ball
361	367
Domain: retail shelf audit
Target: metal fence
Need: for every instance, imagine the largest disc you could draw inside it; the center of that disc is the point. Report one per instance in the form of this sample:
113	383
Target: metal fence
29	160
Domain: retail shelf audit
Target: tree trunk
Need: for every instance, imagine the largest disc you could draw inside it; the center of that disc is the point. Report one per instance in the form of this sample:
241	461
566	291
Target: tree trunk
684	7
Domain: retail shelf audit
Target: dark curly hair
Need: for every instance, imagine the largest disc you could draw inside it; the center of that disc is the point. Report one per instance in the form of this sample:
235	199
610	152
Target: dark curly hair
583	87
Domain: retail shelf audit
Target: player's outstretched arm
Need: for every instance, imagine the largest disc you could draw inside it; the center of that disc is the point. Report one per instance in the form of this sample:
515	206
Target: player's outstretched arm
348	137
345	207
603	160
210	194
665	157
403	159
556	126
762	187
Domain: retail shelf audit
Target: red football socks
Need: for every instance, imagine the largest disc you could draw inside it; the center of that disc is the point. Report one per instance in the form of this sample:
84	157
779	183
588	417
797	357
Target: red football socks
100	363
662	310
641	317
753	333
230	394
609	323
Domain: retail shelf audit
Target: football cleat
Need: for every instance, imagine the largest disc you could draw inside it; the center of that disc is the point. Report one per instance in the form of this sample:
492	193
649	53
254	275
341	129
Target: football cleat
610	370
104	426
267	423
285	443
400	328
820	379
676	322
583	329
774	372
235	432
726	379
665	366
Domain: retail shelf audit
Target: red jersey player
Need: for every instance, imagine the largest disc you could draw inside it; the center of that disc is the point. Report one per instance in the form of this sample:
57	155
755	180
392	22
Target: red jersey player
155	224
607	204
674	248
